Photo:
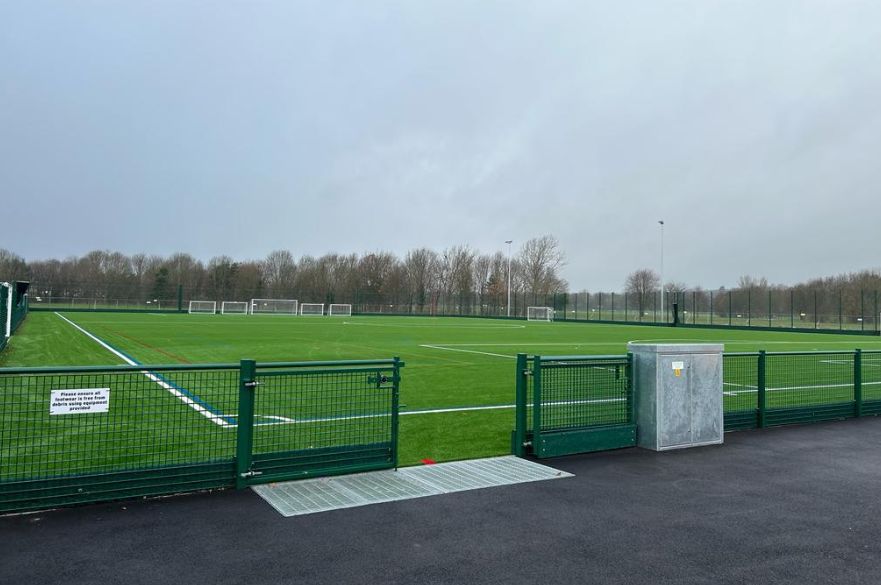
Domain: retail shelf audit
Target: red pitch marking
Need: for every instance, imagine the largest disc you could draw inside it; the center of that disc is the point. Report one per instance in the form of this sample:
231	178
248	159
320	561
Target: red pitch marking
148	346
429	461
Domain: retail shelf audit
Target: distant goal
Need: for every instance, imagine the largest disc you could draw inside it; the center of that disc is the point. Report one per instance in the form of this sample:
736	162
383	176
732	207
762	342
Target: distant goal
339	310
274	307
202	307
312	309
539	314
234	308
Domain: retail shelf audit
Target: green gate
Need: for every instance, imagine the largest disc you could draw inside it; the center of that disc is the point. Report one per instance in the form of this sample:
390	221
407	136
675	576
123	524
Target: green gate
71	435
327	419
573	404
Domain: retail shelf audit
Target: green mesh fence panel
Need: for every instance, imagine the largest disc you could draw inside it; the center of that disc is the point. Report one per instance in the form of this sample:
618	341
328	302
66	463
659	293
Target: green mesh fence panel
573	404
88	434
740	390
307	420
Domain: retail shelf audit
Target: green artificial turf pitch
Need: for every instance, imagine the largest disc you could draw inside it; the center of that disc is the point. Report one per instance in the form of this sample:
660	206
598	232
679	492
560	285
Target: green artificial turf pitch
457	390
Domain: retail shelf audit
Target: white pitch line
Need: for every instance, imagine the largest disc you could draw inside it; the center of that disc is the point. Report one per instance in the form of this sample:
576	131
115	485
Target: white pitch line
753	390
174	391
509	357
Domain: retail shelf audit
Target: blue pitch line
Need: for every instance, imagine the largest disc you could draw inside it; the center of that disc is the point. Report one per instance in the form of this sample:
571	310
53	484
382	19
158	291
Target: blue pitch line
194	397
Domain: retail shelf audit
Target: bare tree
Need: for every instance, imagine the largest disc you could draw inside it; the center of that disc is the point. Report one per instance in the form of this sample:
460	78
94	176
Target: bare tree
642	283
12	266
540	261
420	269
278	270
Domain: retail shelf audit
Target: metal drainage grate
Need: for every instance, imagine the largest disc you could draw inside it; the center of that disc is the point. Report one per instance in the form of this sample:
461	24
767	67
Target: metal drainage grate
308	496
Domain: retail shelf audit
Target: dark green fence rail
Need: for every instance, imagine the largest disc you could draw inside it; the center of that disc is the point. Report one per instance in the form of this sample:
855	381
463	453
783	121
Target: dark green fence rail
765	389
171	429
573	404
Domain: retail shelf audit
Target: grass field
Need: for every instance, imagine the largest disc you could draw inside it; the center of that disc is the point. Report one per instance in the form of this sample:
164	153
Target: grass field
458	383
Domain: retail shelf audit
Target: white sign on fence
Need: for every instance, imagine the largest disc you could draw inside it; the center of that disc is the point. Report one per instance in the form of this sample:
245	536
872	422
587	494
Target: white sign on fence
79	401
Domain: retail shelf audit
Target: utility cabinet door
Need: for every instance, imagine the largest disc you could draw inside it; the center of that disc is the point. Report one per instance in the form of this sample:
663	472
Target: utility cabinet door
674	401
706	400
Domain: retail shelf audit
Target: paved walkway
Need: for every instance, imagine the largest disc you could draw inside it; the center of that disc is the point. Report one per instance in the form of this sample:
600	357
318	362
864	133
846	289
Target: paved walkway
789	505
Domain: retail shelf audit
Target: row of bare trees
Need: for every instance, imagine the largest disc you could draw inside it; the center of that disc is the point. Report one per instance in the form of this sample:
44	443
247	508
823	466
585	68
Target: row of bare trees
421	278
848	297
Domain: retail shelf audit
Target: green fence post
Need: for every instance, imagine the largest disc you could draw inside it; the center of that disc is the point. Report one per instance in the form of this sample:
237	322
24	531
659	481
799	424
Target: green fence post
245	422
761	395
729	308
791	309
862	311
769	307
840	303
631	405
518	448
712	307
858	382
749	307
536	405
816	316
180	298
626	316
396	404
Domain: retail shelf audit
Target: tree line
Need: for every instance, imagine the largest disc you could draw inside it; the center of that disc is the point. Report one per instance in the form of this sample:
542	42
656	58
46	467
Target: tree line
421	277
851	296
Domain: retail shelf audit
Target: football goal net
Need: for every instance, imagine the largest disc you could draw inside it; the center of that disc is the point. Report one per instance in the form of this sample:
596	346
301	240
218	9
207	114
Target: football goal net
202	307
339	310
273	307
312	309
234	308
539	314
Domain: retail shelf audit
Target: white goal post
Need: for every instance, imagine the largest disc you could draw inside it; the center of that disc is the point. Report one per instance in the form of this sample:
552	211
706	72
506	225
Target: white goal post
274	307
339	310
312	309
202	307
234	308
539	314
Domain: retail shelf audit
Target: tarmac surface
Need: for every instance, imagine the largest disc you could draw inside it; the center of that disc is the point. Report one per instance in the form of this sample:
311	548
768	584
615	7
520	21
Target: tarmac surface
787	505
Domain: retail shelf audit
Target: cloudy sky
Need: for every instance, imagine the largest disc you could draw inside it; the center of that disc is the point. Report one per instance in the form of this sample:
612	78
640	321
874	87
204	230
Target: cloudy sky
753	128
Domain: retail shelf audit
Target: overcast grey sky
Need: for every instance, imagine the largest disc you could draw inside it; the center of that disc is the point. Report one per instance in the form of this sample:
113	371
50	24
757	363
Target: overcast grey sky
753	128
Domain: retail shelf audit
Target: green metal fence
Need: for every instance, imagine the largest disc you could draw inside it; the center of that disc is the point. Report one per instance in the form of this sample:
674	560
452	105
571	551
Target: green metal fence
4	300
573	404
13	309
89	434
776	388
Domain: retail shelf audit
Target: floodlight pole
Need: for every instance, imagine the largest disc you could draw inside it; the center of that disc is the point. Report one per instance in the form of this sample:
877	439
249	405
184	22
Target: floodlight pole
509	275
663	306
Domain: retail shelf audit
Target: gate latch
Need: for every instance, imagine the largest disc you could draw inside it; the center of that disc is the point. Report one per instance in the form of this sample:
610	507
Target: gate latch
252	384
251	474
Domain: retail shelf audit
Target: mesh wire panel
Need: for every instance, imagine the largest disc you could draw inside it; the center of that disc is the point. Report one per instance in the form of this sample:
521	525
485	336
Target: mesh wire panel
155	418
871	370
584	393
804	380
739	379
316	409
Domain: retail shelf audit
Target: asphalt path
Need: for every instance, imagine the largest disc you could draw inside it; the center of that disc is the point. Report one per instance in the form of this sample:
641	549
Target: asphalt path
787	505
